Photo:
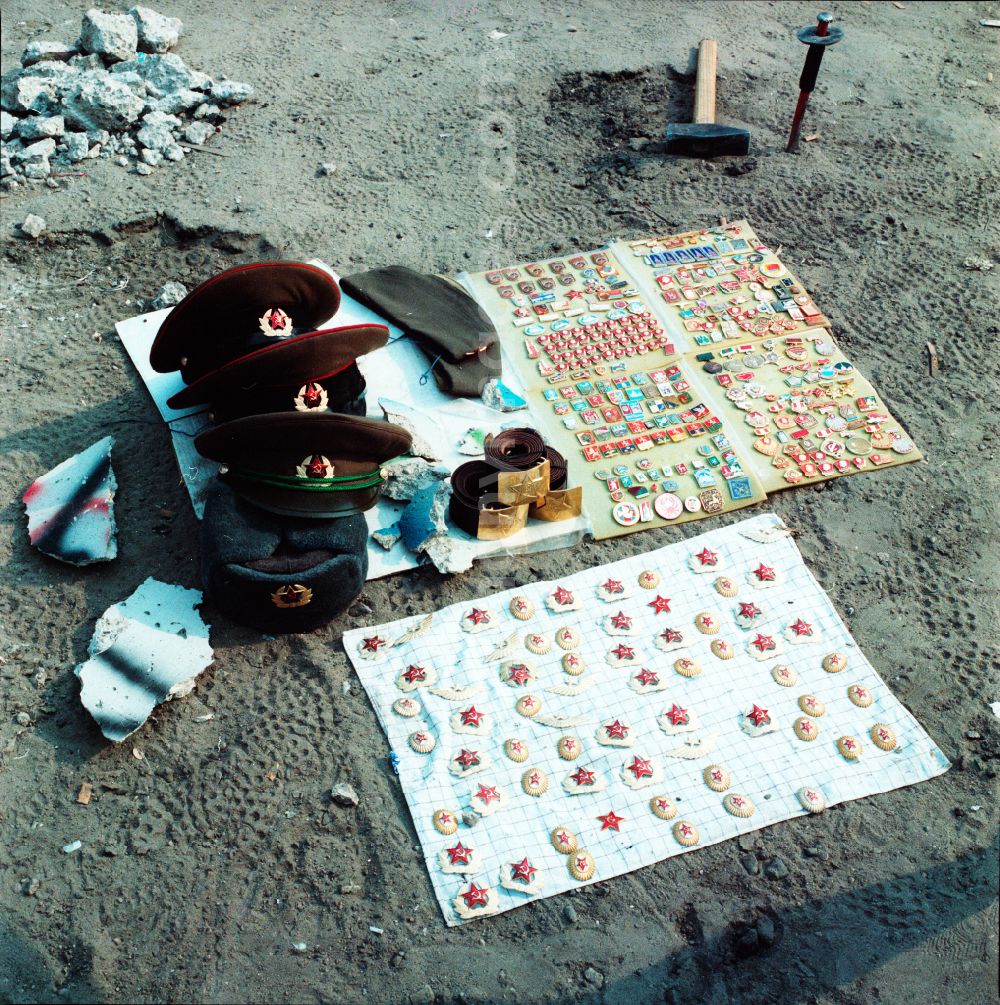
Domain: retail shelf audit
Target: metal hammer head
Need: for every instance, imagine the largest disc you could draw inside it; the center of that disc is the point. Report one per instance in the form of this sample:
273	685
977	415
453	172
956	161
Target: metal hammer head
707	139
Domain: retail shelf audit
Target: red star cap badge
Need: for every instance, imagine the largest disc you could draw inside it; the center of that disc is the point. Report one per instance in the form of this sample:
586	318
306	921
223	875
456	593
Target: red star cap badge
414	673
372	645
764	573
671	635
562	595
613	586
624	652
678	716
488	793
472	716
801	628
583	777
660	604
749	611
611	821
763	643
478	617
616	731
641	768
707	557
518	673
758	716
476	896
621	620
646	677
459	853
523	870
468	758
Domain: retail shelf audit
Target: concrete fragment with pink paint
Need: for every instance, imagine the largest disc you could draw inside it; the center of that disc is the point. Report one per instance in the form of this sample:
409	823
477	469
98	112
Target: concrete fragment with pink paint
70	509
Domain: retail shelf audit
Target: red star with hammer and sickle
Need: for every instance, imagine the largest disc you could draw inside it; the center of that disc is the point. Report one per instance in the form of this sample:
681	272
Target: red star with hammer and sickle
611	821
646	677
764	573
277	319
478	617
312	396
801	628
527	701
678	716
685	829
860	692
641	768
459	853
707	557
445	818
569	743
758	716
750	611
572	660
883	734
534	778
371	645
737	800
671	635
763	643
316	468
811	796
516	746
716	775
518	673
706	620
523	870
621	620
584	777
582	862
468	758
563	838
660	604
476	896
616	731
488	793
562	595
663	804
623	652
472	716
414	673
850	744
811	701
614	586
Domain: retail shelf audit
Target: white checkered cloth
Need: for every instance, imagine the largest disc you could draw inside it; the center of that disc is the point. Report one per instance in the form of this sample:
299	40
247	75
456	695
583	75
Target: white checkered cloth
769	768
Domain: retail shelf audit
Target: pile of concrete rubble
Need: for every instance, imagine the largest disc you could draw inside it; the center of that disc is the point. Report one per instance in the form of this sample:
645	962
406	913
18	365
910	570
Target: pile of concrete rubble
116	92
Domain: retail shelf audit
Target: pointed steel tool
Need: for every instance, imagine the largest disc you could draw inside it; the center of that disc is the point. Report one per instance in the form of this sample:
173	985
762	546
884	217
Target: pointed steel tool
817	37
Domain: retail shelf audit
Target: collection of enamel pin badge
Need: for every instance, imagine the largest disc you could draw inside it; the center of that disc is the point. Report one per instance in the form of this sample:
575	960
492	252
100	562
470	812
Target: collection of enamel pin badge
631	747
639	371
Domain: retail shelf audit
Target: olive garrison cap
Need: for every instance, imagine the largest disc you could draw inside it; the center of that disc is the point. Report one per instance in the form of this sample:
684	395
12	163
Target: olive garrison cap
316	464
279	574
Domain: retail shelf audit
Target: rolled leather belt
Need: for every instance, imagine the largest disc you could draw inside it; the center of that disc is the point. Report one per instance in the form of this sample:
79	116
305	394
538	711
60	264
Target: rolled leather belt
557	468
515	450
473	487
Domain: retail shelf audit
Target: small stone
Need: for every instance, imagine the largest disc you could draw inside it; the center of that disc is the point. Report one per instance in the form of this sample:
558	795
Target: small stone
299	947
750	863
73	846
75	147
157	131
178	101
91	61
360	610
31	886
422	996
595	977
122	161
157	33
206	110
174	153
7	124
170	295
113	36
470	818
40	127
776	869
230	92
198	132
327	168
22	719
350	890
344	795
569	913
972	734
33	225
143	169
37	51
407	476
821	853
151	157
765	931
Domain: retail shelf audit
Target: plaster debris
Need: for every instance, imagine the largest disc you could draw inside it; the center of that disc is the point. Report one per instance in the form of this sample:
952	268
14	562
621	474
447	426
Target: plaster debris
71	508
425	516
418	424
33	225
344	795
146	649
73	846
499	396
117	89
170	294
387	537
406	476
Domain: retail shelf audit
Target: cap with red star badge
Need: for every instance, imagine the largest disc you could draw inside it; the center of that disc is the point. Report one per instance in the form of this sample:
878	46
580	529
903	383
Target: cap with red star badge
304	465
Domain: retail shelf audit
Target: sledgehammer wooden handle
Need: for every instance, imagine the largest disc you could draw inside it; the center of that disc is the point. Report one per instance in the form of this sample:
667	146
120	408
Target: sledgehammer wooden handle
704	87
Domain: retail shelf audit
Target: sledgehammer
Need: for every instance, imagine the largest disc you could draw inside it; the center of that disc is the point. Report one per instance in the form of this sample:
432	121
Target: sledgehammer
705	137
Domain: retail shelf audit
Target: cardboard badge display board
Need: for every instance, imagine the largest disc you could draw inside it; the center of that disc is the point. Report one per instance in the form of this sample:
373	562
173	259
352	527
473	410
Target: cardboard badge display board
638	359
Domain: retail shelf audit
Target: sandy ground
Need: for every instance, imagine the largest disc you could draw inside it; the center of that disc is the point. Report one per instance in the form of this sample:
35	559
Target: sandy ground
202	863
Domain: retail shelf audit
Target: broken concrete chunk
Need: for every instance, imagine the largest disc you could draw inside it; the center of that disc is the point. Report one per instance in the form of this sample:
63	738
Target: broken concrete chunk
75	146
36	52
157	33
497	395
113	36
208	111
157	132
151	157
198	132
40	127
91	61
387	537
418	424
7	124
170	294
450	554
425	516
98	101
33	225
230	92
406	476
71	508
343	794
472	443
25	91
166	72
178	101
146	649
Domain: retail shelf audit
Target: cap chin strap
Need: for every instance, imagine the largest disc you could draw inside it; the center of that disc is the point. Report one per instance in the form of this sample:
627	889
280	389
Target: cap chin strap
340	483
